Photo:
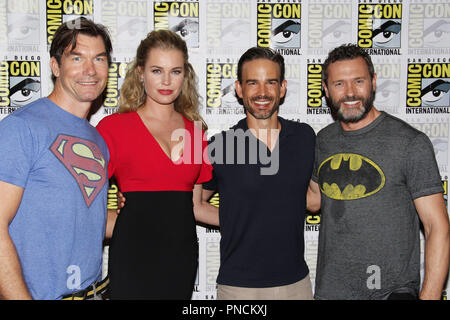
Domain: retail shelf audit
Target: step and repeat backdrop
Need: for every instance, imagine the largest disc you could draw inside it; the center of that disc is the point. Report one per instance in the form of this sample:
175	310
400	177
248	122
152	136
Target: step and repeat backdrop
409	42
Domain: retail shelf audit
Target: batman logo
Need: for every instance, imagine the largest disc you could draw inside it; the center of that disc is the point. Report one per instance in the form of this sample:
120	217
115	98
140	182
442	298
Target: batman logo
349	176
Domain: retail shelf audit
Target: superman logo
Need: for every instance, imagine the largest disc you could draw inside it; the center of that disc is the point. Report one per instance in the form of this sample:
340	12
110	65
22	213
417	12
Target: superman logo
85	162
349	176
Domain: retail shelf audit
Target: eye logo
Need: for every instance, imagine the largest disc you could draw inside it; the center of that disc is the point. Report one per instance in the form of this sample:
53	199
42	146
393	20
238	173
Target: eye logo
179	17
23	29
58	12
235	33
437	34
428	86
379	25
130	31
387	91
84	161
348	176
279	25
228	92
284	34
387	35
220	89
186	28
329	25
24	82
337	33
436	93
24	92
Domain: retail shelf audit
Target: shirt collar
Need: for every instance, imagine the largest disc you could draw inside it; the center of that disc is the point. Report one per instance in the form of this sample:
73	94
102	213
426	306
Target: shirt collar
286	126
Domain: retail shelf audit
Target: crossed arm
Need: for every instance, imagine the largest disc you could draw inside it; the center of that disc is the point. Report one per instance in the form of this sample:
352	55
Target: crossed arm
204	212
313	197
112	214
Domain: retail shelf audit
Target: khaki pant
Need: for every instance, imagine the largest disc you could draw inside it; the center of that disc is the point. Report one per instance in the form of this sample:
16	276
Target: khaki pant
300	290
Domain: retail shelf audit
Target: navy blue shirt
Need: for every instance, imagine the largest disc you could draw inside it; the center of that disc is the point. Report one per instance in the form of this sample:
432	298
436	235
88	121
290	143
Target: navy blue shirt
262	212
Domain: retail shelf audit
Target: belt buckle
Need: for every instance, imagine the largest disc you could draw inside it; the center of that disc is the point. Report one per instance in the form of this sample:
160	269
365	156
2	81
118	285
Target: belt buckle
92	287
99	289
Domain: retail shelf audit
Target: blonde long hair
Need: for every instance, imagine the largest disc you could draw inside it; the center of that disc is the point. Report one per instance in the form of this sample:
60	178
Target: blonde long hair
132	93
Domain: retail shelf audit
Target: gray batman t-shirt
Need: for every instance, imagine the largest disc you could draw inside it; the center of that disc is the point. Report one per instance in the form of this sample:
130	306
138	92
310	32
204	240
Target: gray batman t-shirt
369	242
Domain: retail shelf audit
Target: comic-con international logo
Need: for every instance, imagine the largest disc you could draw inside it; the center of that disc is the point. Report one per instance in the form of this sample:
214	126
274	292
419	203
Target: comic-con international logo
182	17
220	93
279	26
312	221
228	26
311	248
429	27
291	104
212	263
19	25
379	28
116	76
387	97
437	131
329	25
315	103
20	84
428	87
126	22
60	11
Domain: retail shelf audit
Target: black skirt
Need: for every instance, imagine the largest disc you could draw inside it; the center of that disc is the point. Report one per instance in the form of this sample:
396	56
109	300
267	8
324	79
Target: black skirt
153	251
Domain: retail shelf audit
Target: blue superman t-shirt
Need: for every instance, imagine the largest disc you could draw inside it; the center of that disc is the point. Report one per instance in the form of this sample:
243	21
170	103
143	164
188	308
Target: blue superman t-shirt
61	162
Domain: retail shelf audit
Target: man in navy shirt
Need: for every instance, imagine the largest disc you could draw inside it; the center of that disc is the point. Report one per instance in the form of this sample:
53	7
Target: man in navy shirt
262	170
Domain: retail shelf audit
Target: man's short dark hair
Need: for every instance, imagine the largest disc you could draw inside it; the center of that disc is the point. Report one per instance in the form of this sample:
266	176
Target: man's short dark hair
261	53
68	32
346	52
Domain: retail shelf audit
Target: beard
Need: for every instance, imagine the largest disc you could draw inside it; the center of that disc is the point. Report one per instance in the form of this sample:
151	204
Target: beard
261	114
356	114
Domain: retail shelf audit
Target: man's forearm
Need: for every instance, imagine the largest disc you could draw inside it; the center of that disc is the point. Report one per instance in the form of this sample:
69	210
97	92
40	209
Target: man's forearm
111	218
313	197
12	284
436	265
206	213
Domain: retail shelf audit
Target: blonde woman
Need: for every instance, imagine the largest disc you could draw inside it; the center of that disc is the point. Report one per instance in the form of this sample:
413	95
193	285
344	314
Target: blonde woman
156	155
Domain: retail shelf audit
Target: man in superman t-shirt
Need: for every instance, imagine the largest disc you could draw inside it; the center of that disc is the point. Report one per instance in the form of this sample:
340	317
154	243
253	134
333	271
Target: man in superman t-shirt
53	175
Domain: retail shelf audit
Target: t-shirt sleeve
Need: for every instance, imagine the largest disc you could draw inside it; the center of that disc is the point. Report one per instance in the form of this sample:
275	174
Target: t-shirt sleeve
16	156
210	184
422	173
104	128
206	169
